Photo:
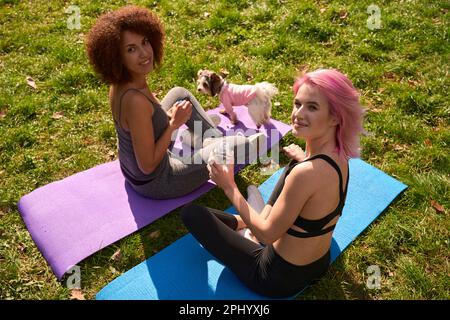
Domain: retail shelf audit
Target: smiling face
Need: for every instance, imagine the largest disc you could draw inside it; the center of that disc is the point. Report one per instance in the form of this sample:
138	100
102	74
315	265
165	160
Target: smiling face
311	117
137	53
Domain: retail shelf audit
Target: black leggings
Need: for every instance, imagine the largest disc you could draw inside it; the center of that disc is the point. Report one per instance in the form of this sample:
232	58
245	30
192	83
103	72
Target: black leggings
259	267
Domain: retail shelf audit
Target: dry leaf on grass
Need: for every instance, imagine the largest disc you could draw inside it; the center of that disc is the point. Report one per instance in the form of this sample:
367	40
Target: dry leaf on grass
224	72
58	115
437	207
154	234
113	270
21	247
117	255
343	14
77	294
31	82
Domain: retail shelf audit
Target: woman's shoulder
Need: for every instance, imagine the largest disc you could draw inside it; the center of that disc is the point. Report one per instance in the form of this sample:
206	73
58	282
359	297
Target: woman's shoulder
134	101
315	171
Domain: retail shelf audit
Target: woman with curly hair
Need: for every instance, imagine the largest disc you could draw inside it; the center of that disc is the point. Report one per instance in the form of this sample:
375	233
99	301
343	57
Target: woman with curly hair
290	240
124	46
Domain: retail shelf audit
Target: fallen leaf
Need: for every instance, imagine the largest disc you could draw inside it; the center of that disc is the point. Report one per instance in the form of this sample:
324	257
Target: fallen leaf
2	114
224	72
390	75
113	270
399	147
437	207
206	14
88	141
31	82
343	14
277	104
302	69
4	211
21	247
381	90
428	142
117	256
58	115
154	234
77	294
322	10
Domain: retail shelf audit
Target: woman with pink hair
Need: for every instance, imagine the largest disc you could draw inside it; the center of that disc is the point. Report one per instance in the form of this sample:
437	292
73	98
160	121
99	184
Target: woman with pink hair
290	239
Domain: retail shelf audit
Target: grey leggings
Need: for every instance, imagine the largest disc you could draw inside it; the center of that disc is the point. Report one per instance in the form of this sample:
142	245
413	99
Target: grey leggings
183	175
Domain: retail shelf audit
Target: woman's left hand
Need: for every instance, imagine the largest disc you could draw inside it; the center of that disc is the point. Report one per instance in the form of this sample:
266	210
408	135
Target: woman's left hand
170	112
222	175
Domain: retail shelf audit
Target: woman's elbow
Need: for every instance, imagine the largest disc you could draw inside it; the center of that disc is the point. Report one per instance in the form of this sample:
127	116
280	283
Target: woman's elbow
268	240
267	237
147	168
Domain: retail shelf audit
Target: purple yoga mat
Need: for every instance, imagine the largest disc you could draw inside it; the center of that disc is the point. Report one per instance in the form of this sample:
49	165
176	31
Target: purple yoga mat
77	216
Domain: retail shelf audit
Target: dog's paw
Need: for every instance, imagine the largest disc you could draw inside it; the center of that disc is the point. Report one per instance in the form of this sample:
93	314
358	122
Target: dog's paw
234	119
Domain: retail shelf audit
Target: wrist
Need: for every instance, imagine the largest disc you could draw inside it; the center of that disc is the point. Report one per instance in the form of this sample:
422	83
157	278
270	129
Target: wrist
229	190
172	127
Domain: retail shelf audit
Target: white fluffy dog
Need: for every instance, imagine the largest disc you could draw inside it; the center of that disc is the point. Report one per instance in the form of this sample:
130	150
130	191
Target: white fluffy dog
256	97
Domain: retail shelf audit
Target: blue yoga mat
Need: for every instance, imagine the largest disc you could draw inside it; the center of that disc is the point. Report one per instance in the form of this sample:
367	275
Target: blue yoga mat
185	270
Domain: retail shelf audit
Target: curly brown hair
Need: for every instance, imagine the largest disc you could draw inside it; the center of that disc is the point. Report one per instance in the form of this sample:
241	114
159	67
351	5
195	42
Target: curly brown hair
103	41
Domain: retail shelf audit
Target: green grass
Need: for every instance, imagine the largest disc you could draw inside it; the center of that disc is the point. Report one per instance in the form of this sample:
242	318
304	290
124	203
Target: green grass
401	70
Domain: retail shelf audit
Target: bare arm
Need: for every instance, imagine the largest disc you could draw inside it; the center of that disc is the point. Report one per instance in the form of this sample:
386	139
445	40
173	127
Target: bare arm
139	112
273	222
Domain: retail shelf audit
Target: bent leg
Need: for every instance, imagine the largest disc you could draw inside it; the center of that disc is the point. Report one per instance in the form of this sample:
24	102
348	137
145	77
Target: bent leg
235	251
198	113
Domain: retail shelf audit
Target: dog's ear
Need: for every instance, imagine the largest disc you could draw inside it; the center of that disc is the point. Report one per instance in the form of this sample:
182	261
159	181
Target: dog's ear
216	83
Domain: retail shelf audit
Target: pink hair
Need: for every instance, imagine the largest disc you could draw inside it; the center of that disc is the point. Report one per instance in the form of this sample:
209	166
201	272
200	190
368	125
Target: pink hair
343	100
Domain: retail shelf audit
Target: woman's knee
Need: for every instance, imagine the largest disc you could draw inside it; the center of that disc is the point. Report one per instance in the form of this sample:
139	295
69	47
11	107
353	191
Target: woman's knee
191	215
179	92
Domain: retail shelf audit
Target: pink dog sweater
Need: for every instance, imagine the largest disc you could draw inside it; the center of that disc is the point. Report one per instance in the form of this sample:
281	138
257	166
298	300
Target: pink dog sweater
236	95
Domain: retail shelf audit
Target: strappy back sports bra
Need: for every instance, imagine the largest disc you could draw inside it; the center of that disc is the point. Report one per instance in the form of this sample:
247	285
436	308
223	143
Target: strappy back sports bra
313	228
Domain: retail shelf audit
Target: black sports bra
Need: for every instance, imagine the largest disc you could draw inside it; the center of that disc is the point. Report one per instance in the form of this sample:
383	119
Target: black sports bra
313	228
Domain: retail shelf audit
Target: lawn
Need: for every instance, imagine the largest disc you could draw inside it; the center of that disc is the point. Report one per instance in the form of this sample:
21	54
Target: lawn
58	123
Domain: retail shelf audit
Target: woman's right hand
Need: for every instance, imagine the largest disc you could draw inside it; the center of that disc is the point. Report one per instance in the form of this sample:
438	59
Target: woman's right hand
181	112
293	151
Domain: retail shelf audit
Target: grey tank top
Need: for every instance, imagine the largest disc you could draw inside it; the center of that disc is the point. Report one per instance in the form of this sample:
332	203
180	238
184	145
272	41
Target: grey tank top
127	158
